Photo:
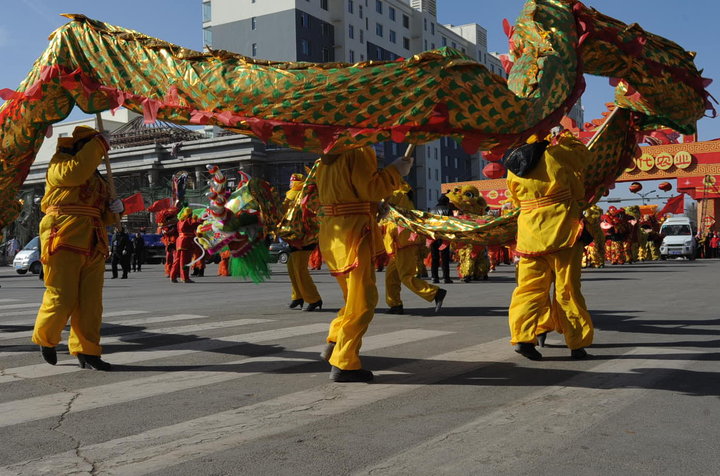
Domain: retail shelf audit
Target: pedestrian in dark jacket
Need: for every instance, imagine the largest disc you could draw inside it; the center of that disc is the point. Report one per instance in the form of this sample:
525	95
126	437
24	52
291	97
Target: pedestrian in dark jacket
138	252
439	249
121	250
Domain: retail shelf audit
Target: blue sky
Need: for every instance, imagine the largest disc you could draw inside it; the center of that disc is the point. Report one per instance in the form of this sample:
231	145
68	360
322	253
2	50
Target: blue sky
26	24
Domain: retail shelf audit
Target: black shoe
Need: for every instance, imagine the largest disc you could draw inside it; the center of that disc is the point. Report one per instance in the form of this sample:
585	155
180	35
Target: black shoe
436	281
528	351
314	305
188	280
93	362
114	277
579	354
124	276
396	310
541	338
327	351
295	303
439	298
359	375
447	281
49	354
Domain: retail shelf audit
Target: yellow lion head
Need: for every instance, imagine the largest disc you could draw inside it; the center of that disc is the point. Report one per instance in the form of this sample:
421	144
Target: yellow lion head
593	214
468	199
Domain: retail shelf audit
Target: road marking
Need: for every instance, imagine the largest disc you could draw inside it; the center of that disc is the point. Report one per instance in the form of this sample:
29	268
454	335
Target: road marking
109	326
580	402
9	300
37	408
150	333
164	447
174	350
19	322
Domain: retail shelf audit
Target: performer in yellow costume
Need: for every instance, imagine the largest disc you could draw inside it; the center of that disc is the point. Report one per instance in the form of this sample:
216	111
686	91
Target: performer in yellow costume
303	286
473	259
74	246
547	185
402	247
349	189
594	253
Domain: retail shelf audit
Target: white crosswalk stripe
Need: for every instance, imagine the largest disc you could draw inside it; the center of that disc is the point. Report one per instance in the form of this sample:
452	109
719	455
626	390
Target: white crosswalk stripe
33	312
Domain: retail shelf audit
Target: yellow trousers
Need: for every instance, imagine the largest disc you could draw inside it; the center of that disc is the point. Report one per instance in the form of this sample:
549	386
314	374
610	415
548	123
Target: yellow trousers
361	297
303	286
73	290
531	305
402	269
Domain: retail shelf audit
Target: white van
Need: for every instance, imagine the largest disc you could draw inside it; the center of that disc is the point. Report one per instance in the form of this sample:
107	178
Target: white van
28	259
679	239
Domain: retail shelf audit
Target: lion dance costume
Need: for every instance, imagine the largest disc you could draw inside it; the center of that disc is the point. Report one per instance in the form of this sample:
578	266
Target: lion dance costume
473	262
594	253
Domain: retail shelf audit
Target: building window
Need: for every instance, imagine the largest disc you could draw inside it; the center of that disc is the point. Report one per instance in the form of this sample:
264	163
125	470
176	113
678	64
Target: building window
378	53
432	46
406	43
253	23
351	31
378	29
446	160
207	36
443	41
325	55
429	174
393	37
362	39
437	174
304	20
360	11
207	11
351	6
323	4
391	13
425	24
351	56
425	45
454	45
305	47
254	49
378	6
325	29
432	28
362	56
456	162
406	21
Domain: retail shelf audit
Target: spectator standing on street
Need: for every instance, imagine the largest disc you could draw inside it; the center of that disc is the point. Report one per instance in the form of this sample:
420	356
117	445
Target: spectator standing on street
439	249
138	252
715	245
121	251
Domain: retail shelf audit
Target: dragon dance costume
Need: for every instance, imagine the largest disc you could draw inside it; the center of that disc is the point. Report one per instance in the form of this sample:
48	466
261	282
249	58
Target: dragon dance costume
402	246
549	227
74	246
349	188
303	286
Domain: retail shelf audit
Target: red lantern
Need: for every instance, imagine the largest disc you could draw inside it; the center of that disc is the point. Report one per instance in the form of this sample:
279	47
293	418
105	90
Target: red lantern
635	187
494	170
492	155
665	186
606	193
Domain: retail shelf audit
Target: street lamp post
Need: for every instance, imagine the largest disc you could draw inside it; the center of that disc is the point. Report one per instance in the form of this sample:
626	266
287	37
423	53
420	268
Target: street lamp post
644	196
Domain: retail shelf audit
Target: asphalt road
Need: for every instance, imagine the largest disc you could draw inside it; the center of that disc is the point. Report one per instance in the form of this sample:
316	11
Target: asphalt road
219	377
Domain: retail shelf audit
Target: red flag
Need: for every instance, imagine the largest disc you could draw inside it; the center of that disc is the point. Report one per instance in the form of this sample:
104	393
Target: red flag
133	204
674	205
161	204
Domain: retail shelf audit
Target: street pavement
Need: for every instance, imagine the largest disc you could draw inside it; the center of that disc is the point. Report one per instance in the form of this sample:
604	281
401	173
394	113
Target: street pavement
219	377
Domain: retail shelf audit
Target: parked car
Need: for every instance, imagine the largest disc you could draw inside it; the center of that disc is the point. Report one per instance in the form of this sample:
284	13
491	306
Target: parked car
679	238
279	252
28	259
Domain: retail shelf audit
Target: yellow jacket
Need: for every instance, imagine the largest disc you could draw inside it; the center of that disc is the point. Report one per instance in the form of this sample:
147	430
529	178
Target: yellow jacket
352	179
75	202
549	196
